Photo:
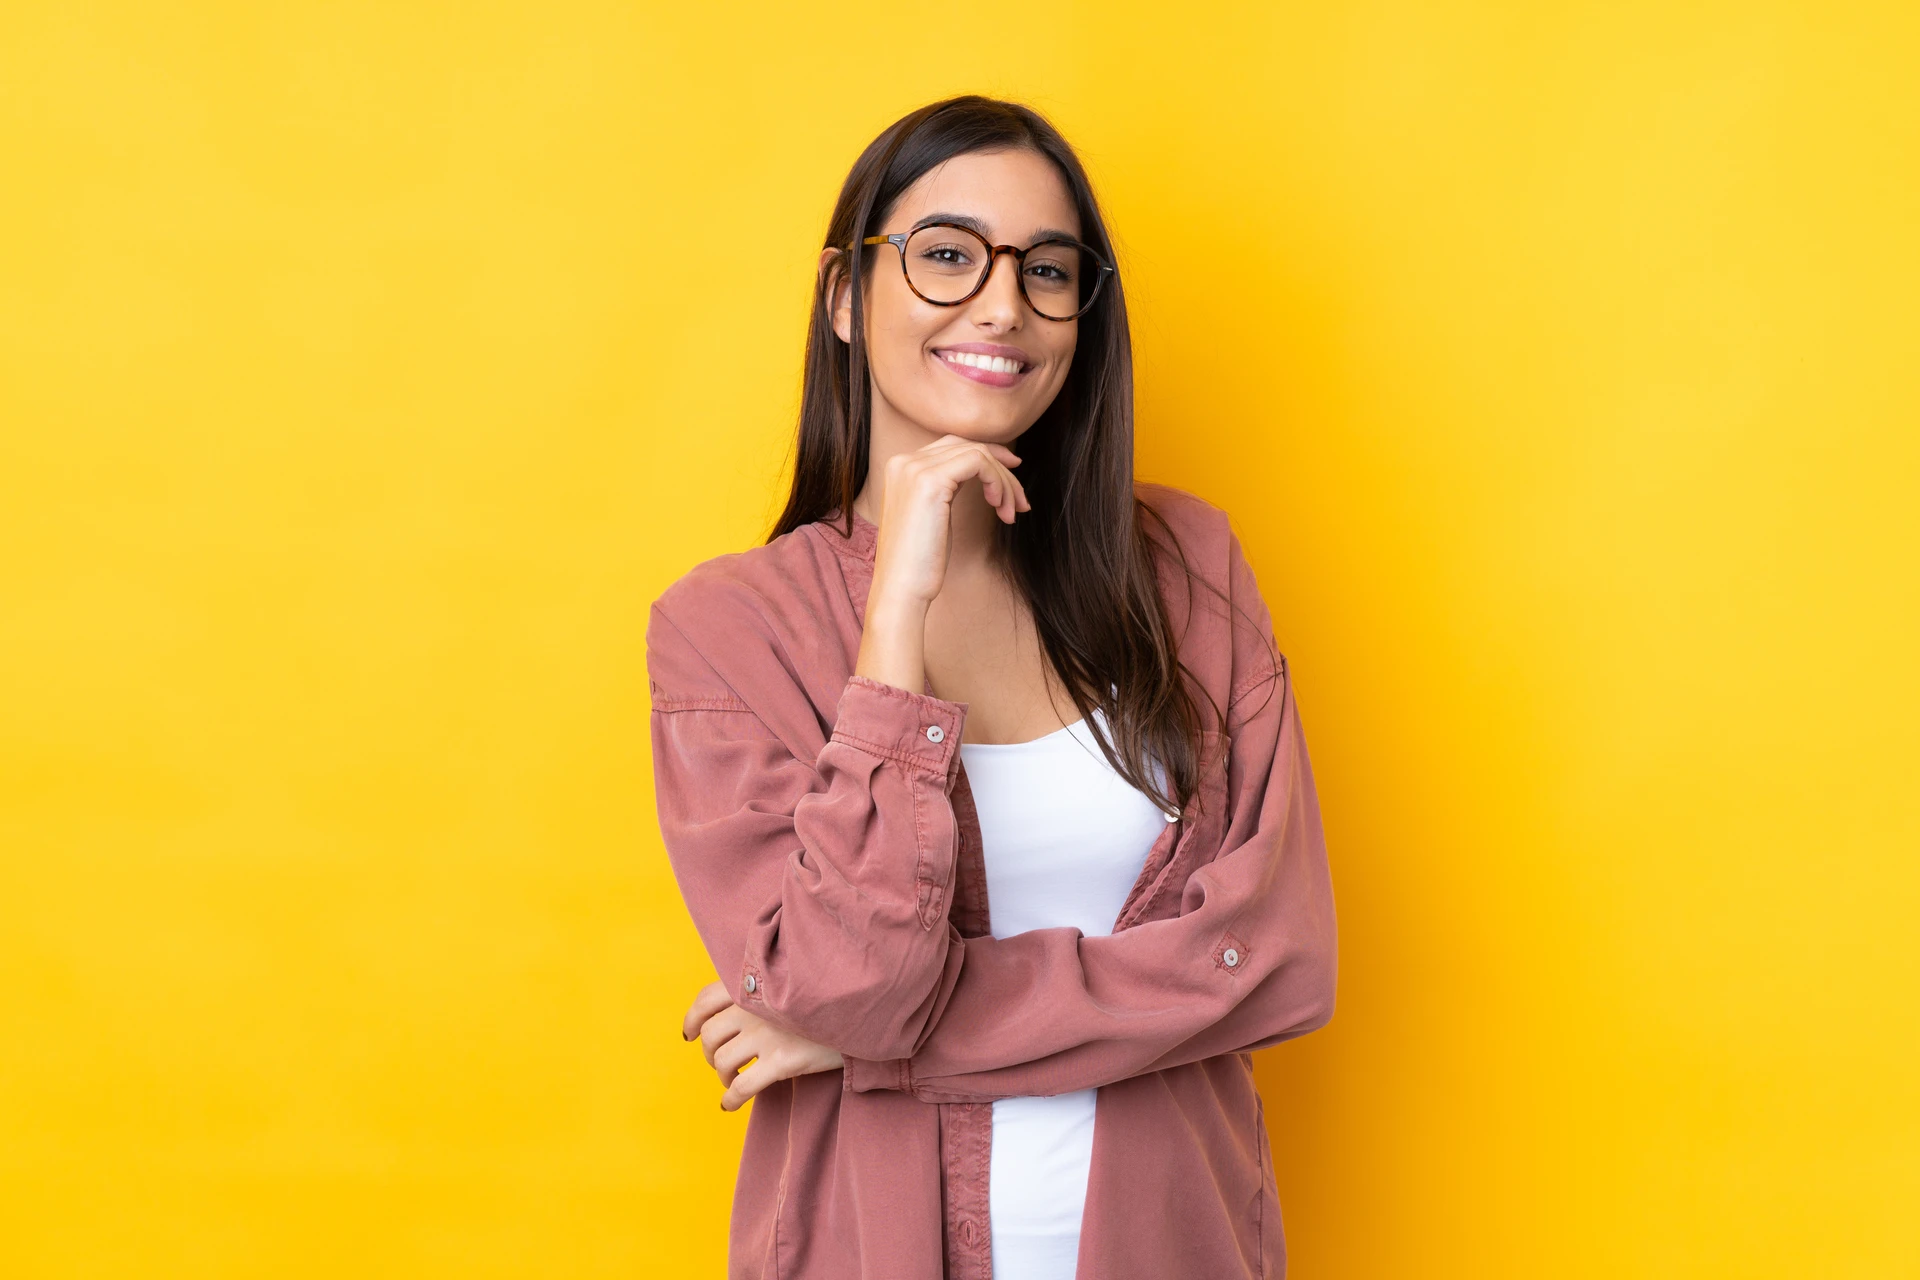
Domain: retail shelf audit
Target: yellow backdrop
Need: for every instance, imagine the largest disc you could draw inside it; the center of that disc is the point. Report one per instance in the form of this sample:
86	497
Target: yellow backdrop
366	369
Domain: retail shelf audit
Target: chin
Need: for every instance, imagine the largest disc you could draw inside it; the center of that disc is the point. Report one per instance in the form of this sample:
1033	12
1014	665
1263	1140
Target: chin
968	421
982	432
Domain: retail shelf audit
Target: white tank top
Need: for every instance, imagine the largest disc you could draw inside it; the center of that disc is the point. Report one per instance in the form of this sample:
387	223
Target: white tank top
1064	838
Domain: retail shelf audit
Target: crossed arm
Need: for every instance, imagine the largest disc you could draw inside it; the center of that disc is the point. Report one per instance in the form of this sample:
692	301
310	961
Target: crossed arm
821	889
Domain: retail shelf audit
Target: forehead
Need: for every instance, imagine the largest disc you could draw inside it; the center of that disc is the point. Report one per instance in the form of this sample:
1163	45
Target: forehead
1014	193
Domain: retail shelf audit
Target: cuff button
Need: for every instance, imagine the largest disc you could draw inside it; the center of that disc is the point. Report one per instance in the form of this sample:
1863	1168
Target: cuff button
752	984
1229	958
935	733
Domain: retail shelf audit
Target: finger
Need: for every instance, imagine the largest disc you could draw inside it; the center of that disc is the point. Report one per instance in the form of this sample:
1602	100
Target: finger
1000	452
735	1054
1004	492
1017	497
1020	490
1011	494
936	479
939	472
748	1083
710	1000
968	461
720	1028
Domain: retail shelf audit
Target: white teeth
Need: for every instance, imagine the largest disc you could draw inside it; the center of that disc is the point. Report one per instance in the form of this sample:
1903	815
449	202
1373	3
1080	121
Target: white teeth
993	364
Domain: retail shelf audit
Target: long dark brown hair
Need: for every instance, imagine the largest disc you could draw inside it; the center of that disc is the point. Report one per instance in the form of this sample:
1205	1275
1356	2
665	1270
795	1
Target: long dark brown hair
1081	556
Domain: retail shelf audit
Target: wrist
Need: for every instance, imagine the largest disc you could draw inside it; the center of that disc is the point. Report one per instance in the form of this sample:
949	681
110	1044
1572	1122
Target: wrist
893	643
892	612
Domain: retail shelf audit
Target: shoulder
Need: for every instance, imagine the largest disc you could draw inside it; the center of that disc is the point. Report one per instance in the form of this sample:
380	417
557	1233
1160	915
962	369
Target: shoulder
733	587
1178	506
1203	536
1225	627
743	603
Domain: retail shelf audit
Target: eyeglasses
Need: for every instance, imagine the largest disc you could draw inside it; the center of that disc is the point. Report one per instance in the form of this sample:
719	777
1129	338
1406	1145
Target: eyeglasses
948	264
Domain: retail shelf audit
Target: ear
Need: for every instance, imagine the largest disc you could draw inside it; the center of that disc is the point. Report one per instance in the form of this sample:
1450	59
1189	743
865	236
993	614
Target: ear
839	292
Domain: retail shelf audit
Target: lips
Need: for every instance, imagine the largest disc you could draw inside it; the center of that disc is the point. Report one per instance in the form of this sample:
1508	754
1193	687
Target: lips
978	362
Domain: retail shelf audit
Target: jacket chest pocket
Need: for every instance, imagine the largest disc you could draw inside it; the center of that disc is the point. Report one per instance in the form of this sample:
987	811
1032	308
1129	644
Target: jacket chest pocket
1190	843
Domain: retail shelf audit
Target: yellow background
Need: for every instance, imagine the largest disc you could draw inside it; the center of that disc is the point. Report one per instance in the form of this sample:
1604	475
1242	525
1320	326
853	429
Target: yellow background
367	368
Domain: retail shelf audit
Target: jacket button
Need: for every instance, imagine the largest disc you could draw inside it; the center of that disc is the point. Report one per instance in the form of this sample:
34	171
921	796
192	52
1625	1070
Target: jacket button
752	984
935	733
1229	958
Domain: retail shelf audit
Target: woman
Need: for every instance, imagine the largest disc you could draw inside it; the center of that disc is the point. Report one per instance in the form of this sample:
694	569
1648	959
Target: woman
982	779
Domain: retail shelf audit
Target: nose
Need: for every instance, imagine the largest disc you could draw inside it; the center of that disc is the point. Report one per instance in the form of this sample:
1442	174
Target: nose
999	301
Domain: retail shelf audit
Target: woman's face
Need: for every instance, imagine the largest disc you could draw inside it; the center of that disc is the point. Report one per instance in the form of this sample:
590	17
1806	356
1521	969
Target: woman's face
919	354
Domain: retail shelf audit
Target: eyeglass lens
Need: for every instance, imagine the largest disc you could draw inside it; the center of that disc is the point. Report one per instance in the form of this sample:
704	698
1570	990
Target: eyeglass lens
945	264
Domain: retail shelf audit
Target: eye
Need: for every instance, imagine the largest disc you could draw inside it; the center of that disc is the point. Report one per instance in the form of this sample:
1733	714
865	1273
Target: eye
944	255
1053	267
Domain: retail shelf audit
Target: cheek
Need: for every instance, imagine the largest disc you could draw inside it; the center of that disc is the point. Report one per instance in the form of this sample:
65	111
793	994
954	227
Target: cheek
897	334
1061	356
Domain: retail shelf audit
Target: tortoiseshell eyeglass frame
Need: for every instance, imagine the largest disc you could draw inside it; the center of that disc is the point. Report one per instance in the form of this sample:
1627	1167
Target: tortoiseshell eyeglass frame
899	241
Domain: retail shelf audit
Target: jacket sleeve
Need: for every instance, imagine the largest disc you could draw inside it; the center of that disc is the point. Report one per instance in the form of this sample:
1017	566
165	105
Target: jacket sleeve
1248	961
819	886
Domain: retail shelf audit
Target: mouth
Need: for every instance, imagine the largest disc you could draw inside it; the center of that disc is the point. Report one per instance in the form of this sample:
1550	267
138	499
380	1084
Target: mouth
993	366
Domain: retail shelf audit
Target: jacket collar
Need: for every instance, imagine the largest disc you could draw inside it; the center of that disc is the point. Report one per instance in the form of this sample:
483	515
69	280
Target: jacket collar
860	546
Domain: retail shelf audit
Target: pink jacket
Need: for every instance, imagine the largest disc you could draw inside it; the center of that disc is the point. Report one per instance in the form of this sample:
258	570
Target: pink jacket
821	829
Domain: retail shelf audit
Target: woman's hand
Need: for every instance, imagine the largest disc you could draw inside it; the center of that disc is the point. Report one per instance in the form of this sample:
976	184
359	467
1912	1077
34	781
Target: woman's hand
916	511
916	535
730	1036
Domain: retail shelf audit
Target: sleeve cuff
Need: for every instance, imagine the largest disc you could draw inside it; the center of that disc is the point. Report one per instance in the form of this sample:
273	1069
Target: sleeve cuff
864	1075
916	729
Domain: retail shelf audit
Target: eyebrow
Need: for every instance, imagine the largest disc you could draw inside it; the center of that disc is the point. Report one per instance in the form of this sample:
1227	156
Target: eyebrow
979	228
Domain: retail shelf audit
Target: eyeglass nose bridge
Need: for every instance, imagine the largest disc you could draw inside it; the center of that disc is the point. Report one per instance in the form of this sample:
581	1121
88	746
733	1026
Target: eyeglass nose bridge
994	251
899	241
